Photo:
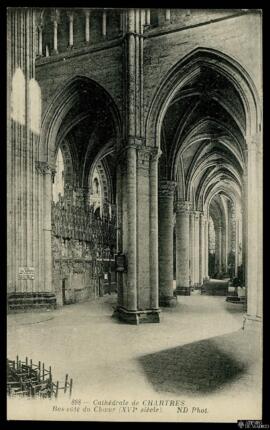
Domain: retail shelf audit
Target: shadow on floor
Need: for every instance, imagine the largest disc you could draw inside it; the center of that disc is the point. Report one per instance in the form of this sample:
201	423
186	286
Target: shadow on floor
199	367
235	308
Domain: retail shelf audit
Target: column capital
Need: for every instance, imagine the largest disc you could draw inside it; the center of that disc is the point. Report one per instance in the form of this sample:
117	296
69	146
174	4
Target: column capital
143	159
166	188
254	139
43	168
144	153
155	153
197	214
205	217
135	140
148	152
182	206
122	152
253	143
87	12
70	15
39	20
202	216
55	16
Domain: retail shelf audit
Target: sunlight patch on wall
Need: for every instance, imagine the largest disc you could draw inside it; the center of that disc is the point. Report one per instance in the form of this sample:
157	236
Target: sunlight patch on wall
18	97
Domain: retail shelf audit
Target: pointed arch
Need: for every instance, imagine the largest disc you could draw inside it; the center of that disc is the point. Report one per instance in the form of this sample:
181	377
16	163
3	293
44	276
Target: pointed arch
184	71
62	103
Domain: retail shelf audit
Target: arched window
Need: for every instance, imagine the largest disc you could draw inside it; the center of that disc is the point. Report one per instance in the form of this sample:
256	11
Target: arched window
18	97
34	106
58	185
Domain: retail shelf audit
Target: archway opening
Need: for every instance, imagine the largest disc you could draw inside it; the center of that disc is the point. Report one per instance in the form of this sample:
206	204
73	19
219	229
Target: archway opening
82	146
202	139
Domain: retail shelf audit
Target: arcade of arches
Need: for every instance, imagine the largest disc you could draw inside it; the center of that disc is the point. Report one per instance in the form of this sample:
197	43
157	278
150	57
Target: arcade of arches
134	133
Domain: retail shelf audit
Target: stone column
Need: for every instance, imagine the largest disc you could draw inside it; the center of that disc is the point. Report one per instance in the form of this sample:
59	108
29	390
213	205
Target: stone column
119	235
131	191
240	256
121	16
138	241
196	246
148	17
224	249
154	263
236	255
191	248
253	236
219	247
71	19
206	247
87	26
167	15
230	228
47	229
55	31
138	188
259	165
23	197
182	248
104	23
47	173
40	31
165	227
128	300
145	291
202	249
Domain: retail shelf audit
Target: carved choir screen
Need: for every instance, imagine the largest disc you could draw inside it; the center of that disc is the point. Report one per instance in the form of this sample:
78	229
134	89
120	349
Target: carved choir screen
83	251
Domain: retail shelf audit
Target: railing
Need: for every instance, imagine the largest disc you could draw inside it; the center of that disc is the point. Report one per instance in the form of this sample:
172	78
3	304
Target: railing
62	30
26	379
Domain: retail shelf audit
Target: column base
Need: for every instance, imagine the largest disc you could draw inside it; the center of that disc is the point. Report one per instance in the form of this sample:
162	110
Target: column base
168	301
196	285
137	317
252	322
182	291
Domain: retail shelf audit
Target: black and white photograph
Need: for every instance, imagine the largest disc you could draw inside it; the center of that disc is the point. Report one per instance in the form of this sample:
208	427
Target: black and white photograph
134	215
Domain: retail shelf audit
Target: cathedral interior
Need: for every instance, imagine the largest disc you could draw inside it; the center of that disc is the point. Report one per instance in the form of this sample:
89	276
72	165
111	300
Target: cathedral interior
134	176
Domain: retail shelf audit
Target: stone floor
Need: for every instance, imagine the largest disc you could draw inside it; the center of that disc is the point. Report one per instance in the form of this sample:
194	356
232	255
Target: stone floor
199	354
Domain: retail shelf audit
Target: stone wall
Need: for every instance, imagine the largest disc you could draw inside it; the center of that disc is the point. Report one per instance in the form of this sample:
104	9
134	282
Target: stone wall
164	46
101	63
163	50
